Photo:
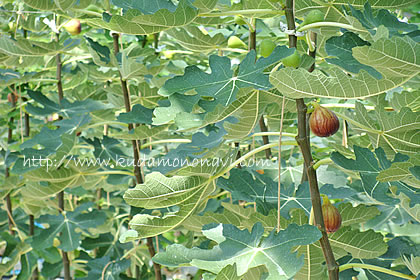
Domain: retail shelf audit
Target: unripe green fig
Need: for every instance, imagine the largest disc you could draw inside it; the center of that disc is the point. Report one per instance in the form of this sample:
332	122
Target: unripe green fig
332	218
235	43
12	26
323	122
292	60
267	47
239	20
312	17
4	27
73	26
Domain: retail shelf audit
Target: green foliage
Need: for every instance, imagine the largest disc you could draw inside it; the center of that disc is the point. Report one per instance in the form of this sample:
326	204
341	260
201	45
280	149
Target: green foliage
195	103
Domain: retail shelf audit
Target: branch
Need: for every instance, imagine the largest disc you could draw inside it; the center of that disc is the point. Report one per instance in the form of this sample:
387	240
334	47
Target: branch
60	195
302	140
136	154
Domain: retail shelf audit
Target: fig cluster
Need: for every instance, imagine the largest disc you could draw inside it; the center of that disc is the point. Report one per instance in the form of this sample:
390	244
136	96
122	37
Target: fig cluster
323	122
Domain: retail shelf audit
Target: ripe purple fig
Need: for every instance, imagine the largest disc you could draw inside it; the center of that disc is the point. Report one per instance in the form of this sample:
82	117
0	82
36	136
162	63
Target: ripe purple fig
332	218
323	122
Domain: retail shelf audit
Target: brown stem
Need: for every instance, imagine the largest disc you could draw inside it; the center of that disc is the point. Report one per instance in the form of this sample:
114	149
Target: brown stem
252	45
35	273
252	40
156	40
7	171
302	140
152	252
137	171
60	195
127	104
263	128
26	121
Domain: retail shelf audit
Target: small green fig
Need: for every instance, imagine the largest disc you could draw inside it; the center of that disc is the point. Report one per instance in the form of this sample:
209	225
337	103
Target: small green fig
312	17
332	218
12	26
239	20
73	26
267	47
292	60
323	122
235	43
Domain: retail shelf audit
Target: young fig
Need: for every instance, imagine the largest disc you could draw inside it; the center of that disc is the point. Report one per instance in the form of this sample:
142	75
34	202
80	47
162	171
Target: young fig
236	43
239	20
73	26
323	122
267	47
312	17
292	60
332	218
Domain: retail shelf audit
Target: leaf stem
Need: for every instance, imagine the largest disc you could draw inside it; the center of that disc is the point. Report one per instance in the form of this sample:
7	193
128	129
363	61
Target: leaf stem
329	24
322	162
376	268
250	154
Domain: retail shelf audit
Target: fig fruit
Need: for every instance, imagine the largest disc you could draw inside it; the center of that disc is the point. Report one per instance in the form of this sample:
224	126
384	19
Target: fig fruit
323	122
332	218
312	17
73	26
239	20
12	26
292	60
12	97
267	47
235	43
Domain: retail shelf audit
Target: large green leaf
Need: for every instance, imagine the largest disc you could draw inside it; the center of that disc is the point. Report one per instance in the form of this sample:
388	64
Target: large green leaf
63	5
368	165
134	22
406	99
64	227
159	191
397	62
356	215
395	132
25	47
246	249
401	171
222	85
193	39
394	57
304	6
